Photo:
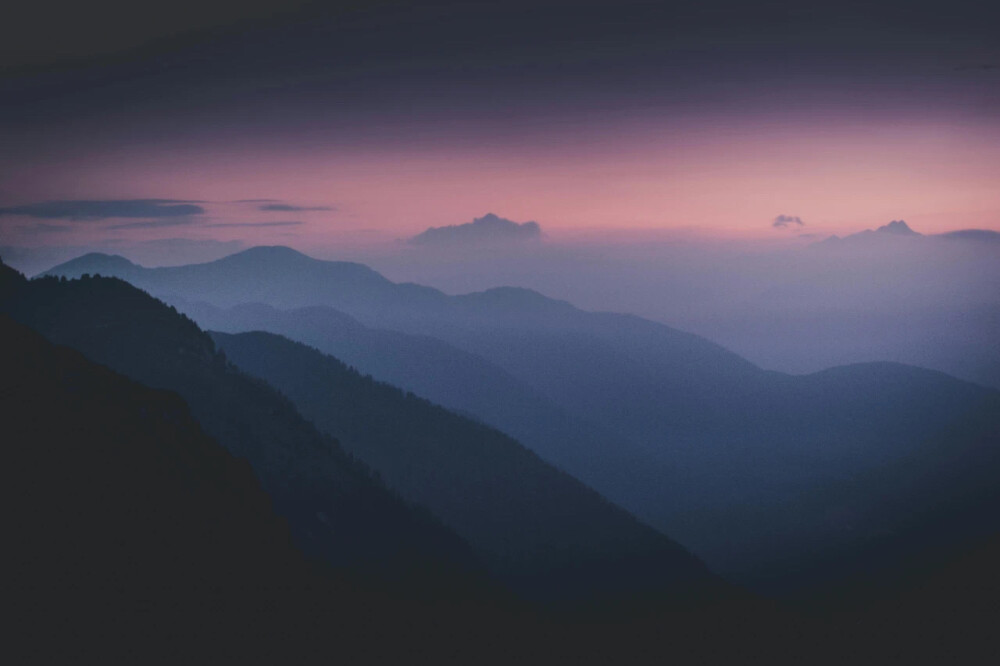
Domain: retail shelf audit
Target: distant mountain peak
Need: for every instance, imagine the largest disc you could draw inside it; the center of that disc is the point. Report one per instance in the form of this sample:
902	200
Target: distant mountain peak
102	257
93	262
882	236
898	227
271	252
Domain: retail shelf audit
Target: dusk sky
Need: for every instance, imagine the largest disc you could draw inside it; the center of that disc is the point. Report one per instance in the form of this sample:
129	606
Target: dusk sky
311	125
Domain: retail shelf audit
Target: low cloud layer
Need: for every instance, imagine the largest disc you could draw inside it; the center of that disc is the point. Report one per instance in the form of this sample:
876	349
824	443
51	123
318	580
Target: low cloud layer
154	223
45	228
487	229
976	235
284	223
783	221
289	208
88	210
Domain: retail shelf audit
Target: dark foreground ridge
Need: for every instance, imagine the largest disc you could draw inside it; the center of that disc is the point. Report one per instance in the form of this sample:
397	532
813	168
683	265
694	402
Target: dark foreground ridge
280	604
130	532
538	529
134	532
336	511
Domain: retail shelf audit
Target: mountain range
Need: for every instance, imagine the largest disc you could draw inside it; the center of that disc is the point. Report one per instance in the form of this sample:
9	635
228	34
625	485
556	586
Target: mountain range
271	488
761	474
131	533
336	511
431	368
538	529
541	533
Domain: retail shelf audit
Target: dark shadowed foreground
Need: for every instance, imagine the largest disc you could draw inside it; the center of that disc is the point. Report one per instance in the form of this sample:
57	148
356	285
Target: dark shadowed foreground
212	521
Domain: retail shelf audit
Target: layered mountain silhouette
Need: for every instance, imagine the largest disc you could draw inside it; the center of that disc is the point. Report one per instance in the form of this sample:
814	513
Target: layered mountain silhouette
132	486
130	533
440	372
537	528
114	499
540	531
267	275
761	474
881	481
336	511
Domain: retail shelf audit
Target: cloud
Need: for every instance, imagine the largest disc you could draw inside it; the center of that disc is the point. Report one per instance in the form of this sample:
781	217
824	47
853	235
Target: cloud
976	235
981	67
154	224
86	210
288	223
487	229
288	208
783	221
45	228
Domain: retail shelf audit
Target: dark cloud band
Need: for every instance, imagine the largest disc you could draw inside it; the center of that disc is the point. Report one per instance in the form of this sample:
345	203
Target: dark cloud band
288	223
288	208
783	221
87	210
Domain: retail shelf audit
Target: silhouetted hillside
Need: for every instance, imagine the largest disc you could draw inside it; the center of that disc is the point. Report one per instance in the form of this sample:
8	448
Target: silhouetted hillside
130	534
335	510
107	461
433	369
935	608
123	477
537	528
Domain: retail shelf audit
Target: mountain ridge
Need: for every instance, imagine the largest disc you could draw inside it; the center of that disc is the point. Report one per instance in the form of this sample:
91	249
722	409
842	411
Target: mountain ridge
310	478
738	463
495	493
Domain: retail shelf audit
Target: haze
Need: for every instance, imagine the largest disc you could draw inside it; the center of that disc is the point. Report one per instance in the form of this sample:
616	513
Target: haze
523	331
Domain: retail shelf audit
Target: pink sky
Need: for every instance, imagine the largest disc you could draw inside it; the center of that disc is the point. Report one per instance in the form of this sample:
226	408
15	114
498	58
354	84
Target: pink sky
647	174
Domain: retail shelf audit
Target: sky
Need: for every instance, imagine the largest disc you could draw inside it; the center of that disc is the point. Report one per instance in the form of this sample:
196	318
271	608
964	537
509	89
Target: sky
206	125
